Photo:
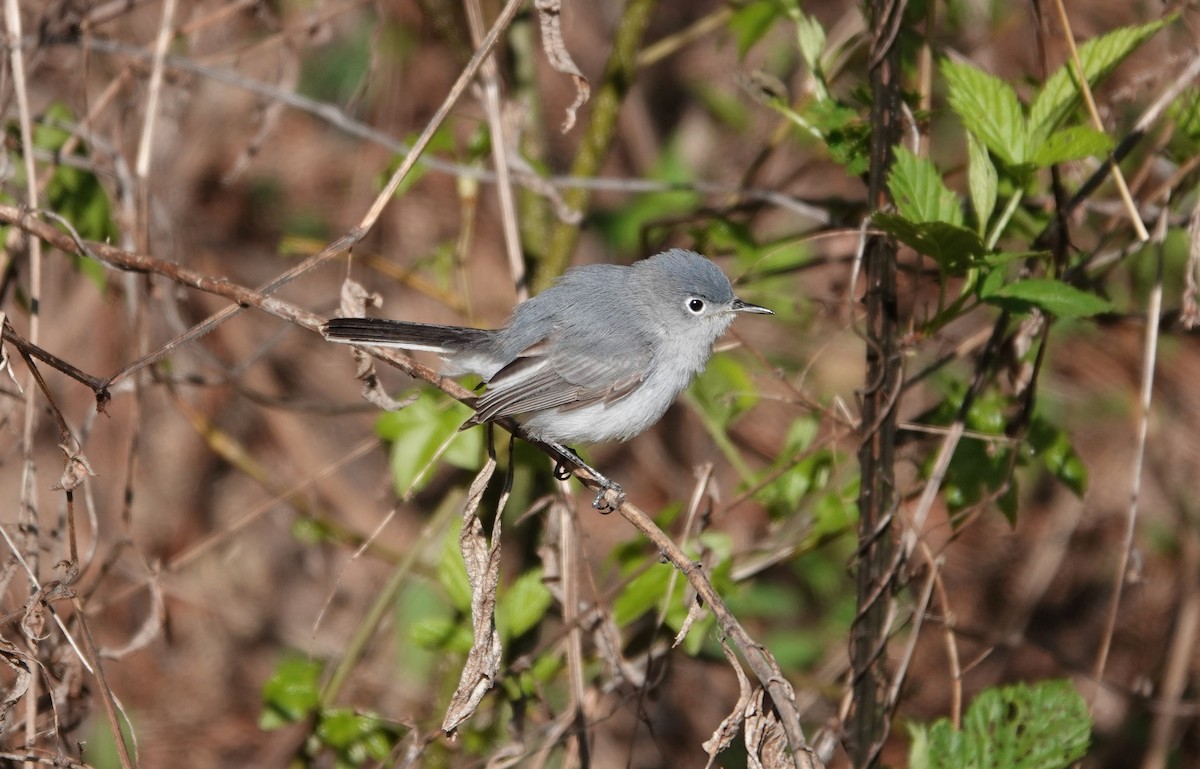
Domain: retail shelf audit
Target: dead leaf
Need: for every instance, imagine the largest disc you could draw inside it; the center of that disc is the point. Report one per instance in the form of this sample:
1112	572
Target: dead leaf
550	15
483	573
76	469
766	742
354	303
150	626
728	728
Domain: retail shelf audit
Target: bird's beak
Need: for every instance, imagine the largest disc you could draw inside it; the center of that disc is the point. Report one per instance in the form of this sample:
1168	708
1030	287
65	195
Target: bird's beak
740	306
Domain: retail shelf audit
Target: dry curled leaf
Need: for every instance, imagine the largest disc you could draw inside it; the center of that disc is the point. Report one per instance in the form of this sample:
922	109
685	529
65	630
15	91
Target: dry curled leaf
550	15
6	361
354	303
483	573
20	680
766	742
724	734
150	626
76	469
37	609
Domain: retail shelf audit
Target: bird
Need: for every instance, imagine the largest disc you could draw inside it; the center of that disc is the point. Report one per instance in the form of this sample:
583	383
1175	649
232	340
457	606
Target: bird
597	357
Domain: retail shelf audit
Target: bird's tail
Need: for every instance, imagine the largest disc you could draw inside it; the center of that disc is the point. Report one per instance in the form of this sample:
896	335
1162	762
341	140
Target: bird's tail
445	340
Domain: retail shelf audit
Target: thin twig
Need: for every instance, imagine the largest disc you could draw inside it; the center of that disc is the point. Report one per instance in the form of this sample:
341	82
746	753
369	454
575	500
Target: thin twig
504	188
1081	80
1149	360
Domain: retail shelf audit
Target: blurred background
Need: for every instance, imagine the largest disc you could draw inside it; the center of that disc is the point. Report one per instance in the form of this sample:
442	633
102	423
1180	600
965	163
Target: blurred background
248	510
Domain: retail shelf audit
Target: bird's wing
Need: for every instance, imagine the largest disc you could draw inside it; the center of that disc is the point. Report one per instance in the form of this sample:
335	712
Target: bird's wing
541	377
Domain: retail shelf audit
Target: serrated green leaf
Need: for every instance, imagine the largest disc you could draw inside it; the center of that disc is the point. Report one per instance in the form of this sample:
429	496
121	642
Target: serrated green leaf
523	604
1040	726
810	36
1067	144
955	249
981	179
918	747
1060	96
1053	296
919	192
989	108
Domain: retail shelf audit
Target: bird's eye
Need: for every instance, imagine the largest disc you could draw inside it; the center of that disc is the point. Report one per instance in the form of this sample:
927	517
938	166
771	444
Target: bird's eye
695	306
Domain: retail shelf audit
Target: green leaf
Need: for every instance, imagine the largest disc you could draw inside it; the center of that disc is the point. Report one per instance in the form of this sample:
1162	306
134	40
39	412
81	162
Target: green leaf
751	22
918	747
642	594
724	390
981	179
1052	296
1052	448
624	228
955	249
920	194
1025	726
451	573
1060	96
423	431
989	108
1074	143
291	693
810	39
442	142
523	605
441	634
847	135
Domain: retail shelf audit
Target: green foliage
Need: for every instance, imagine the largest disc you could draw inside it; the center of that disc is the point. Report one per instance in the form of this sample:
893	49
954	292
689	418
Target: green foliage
1184	112
292	694
983	469
919	192
624	228
807	480
424	431
837	125
1053	296
659	589
522	605
724	391
1044	725
1059	96
74	193
983	183
751	21
992	113
989	109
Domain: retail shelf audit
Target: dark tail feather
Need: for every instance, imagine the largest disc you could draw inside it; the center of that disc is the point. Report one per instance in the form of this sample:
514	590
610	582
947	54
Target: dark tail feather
403	334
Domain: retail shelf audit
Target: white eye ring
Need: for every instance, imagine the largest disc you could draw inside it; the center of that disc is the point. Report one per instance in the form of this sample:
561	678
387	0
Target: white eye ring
694	305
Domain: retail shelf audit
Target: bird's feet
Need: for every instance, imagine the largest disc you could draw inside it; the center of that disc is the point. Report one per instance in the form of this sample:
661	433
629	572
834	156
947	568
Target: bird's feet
609	497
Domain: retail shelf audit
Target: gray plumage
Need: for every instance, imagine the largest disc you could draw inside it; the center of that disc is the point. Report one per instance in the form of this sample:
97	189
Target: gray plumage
599	356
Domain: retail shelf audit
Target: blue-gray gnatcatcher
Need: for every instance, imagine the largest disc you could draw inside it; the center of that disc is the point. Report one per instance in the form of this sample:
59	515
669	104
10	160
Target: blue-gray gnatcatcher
598	356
